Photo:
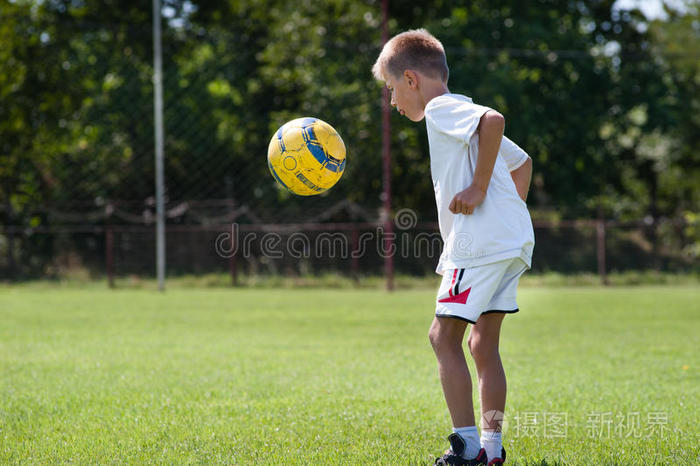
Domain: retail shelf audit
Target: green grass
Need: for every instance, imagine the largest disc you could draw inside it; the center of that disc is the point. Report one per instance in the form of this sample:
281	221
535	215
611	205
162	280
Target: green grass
265	376
81	279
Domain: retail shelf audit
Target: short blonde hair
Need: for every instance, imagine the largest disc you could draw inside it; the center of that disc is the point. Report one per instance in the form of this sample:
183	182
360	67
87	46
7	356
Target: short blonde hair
416	49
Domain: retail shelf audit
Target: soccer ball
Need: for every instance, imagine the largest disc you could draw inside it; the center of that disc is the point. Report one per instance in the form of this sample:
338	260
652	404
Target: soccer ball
306	156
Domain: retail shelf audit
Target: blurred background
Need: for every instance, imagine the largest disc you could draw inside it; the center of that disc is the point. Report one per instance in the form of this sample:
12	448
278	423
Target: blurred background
603	95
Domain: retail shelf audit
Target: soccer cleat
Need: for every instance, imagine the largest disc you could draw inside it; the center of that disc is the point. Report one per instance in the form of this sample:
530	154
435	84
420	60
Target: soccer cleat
498	461
454	455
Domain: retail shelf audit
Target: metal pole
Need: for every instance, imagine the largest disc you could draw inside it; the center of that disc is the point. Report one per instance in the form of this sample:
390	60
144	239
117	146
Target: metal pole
109	255
355	261
158	118
386	157
10	234
600	246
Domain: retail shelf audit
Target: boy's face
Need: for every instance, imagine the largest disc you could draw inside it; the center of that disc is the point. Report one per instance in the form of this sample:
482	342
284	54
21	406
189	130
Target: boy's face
405	95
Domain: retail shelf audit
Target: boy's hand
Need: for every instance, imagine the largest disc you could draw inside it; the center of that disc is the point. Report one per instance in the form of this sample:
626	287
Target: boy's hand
466	201
490	130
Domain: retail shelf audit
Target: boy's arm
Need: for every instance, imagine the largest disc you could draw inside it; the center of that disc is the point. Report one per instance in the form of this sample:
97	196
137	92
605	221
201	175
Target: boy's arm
491	126
521	177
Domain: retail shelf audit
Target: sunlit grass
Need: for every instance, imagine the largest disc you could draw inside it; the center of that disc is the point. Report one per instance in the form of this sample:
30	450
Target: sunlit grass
285	376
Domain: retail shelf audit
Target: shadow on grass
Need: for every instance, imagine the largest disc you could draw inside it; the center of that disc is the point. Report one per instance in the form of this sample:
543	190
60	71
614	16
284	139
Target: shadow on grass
542	462
539	463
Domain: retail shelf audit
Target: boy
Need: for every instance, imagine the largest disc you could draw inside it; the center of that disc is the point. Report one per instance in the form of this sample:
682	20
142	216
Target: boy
486	230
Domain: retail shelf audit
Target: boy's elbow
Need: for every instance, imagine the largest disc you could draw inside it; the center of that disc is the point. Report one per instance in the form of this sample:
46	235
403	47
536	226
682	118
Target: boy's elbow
522	168
494	120
497	117
526	166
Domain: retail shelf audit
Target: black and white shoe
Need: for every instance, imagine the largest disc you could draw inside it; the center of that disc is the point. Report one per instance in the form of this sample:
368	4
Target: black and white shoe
454	455
498	461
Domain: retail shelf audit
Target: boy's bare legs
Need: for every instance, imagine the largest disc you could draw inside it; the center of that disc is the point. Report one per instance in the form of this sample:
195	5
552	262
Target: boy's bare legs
446	335
483	344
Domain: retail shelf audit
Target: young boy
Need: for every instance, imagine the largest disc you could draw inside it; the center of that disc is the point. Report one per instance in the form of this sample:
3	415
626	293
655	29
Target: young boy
481	180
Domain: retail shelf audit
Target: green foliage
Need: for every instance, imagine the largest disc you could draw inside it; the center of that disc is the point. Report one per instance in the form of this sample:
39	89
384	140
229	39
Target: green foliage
604	100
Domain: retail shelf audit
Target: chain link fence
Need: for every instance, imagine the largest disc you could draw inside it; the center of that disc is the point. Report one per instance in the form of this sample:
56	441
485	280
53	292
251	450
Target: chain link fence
307	249
88	205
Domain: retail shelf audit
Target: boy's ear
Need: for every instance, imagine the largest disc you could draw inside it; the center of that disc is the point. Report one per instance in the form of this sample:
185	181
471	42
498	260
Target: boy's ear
411	78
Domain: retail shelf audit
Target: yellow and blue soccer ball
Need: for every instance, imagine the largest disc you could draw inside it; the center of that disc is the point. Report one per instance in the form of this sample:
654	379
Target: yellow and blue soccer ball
306	156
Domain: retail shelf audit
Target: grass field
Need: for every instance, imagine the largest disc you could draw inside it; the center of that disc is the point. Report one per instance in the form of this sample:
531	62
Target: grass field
250	376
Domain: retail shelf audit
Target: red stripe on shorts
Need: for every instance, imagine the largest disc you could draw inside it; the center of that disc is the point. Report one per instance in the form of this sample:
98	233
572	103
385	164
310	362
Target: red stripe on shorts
454	277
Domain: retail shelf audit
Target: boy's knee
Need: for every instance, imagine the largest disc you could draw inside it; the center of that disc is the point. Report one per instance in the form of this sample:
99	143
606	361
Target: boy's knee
471	343
480	348
443	337
434	337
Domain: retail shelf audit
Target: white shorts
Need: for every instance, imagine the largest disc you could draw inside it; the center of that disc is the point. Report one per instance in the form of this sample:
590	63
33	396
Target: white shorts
467	293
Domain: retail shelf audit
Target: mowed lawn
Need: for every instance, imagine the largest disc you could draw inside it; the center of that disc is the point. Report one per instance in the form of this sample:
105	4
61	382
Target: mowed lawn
285	376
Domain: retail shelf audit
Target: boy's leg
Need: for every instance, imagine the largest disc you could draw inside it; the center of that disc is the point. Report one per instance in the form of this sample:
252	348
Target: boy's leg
446	336
463	295
483	344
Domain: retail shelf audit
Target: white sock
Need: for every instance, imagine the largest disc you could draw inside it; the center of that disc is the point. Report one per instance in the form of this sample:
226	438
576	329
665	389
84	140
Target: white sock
491	442
471	438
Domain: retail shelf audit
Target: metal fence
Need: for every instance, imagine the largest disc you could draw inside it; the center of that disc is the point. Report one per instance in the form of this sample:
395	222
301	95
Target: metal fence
86	202
349	248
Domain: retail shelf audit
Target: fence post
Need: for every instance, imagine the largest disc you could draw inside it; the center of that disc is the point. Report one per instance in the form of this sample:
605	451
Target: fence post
109	255
600	235
354	259
386	156
158	126
10	233
233	263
